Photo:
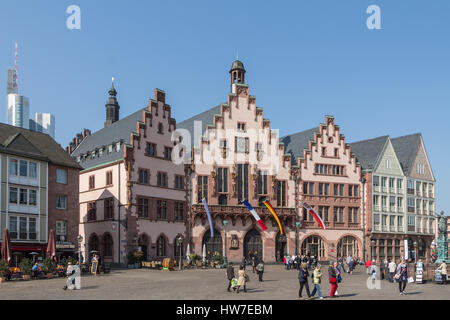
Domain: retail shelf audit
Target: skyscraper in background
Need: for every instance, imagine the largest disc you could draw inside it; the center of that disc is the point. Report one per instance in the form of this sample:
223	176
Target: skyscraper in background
43	122
11	81
18	111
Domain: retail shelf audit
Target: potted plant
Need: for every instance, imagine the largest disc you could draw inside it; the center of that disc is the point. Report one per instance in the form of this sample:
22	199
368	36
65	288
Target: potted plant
4	268
25	268
217	259
131	260
49	267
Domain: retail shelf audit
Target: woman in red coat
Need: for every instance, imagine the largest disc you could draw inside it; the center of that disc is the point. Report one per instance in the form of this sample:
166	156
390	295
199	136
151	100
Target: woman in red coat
332	271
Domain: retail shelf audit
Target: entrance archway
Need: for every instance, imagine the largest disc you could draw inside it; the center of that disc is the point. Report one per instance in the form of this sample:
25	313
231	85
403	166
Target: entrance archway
280	247
213	244
143	244
253	245
314	246
93	244
348	246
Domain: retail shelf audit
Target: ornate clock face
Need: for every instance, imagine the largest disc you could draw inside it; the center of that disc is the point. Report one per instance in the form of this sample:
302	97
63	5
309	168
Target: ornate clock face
240	145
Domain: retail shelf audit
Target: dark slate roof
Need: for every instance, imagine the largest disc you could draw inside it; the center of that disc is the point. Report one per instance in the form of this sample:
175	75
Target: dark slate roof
406	149
119	131
368	151
207	118
31	144
295	143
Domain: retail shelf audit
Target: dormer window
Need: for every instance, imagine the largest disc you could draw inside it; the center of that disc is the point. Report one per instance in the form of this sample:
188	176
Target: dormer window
100	152
118	146
110	148
93	155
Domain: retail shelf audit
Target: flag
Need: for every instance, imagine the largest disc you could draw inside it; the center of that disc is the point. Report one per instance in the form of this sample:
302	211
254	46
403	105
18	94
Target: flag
208	213
269	206
314	214
255	215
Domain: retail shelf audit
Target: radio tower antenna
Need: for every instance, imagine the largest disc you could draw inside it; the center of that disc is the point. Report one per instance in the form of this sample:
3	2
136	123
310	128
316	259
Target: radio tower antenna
16	65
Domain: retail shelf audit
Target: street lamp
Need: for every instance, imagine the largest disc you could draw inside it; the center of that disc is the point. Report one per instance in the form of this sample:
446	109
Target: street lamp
364	217
225	260
180	243
297	226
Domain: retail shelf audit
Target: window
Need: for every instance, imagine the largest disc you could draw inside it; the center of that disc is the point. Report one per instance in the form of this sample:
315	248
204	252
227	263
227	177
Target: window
202	185
23	196
391	183
223	180
350	190
33	170
399	202
241	145
91	182
61	202
336	152
420	168
107	245
308	188
13	195
376	219
352	215
161	247
61	176
410	184
324	151
32	201
32	234
92	211
150	150
23	168
161	210
376	200
281	193
242	187
109	208
392	221
241	127
262	182
13	167
160	128
179	211
142	207
383	182
323	213
162	179
388	164
179	182
338	214
61	231
376	181
399	184
143	176
324	189
109	178
168	153
13	227
23	228
118	146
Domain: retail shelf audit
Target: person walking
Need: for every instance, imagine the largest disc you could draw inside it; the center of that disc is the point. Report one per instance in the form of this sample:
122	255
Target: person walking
230	275
402	276
303	280
351	266
294	261
333	272
373	271
443	269
285	262
368	265
341	264
260	269
317	279
349	258
392	267
242	279
288	262
244	262
254	264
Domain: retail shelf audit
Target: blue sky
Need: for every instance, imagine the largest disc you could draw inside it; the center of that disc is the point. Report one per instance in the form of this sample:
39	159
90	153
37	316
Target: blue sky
304	59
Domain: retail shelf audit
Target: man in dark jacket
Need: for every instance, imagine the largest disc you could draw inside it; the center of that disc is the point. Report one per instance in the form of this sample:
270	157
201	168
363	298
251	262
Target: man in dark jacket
230	275
303	280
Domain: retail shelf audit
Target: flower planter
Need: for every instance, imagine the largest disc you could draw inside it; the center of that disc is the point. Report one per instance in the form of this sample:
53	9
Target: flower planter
26	277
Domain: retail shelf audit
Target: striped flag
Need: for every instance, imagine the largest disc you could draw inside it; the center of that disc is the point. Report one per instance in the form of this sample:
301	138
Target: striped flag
269	206
255	215
208	213
316	217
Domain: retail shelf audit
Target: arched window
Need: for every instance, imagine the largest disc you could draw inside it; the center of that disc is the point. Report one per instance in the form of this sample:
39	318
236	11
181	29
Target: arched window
212	244
348	246
313	246
161	247
107	245
93	243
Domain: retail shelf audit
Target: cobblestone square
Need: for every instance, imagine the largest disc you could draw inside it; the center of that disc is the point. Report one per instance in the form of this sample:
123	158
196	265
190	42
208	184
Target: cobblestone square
210	284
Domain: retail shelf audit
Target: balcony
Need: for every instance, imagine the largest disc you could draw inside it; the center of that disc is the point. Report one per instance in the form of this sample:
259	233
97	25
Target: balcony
376	228
392	208
400	229
399	209
384	209
376	188
377	208
411	228
391	190
400	191
392	229
419	211
384	228
410	191
384	189
411	210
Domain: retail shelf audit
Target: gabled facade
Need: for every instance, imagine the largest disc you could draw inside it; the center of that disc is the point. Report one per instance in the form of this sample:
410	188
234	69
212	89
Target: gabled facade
132	196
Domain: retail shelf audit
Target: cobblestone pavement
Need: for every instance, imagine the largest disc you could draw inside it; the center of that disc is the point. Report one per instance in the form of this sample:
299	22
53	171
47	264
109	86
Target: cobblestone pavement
279	284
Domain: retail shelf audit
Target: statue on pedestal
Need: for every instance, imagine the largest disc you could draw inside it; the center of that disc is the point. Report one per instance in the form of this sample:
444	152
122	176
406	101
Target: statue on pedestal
442	241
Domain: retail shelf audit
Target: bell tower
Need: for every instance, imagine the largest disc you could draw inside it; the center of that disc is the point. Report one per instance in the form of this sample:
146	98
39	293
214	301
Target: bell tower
112	106
237	73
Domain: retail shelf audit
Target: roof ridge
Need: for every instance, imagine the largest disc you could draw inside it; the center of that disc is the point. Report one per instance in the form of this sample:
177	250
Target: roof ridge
408	135
368	140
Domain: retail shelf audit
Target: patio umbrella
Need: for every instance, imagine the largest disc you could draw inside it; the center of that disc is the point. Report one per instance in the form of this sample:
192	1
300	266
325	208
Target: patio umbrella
204	253
51	247
188	253
6	247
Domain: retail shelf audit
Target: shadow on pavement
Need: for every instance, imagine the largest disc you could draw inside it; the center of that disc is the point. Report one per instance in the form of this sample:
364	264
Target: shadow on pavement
90	288
410	293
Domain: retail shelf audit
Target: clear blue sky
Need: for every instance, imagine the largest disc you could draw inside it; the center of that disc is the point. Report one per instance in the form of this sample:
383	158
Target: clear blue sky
304	59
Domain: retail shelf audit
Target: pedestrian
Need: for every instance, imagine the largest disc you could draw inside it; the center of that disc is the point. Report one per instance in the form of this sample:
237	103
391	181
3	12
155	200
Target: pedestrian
373	270
288	262
230	275
244	262
317	279
303	280
285	262
351	266
241	279
294	261
443	268
260	269
297	259
349	258
392	267
254	264
368	265
333	273
341	264
402	276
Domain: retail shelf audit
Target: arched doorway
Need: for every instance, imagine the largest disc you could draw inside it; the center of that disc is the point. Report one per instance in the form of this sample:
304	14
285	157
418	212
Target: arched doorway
213	244
411	250
314	246
93	245
143	244
280	247
253	245
422	248
107	245
348	246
